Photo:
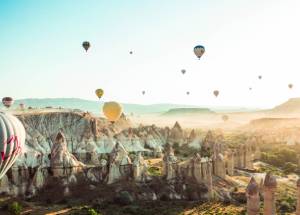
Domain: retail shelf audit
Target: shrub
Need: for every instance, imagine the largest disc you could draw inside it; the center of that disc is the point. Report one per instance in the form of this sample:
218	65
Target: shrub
92	211
289	167
124	198
15	208
154	171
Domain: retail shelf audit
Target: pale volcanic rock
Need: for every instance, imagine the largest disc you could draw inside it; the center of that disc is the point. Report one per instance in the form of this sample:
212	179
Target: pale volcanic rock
118	164
176	134
61	158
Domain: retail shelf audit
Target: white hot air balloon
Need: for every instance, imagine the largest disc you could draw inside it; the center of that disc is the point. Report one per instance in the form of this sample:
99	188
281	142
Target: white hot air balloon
12	140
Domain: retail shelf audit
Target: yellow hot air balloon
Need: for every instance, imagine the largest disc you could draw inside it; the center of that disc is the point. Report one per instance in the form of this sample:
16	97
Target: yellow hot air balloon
99	93
112	111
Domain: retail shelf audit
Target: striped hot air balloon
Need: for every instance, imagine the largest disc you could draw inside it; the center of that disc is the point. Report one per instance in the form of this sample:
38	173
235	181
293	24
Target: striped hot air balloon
199	51
7	101
12	140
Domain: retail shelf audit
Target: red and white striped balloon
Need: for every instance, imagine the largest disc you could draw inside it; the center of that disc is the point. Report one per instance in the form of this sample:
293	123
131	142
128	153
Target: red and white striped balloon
12	140
7	101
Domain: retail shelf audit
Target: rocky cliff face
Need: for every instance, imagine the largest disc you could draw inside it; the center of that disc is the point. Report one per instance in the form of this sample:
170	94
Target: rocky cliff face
58	142
85	136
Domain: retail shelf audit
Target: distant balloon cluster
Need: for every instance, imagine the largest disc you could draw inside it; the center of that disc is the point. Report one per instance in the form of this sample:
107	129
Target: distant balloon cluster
199	51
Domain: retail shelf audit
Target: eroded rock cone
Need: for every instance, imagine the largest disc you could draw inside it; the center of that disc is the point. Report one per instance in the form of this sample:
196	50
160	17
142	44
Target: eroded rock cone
61	159
176	134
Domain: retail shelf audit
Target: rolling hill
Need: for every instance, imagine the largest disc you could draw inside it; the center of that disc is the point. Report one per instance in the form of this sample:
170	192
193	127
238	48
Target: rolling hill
187	111
95	106
292	106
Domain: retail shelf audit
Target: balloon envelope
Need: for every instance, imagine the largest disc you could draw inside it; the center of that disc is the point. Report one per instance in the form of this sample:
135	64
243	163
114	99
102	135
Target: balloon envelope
99	93
225	118
86	45
199	51
112	111
216	93
7	101
22	106
12	140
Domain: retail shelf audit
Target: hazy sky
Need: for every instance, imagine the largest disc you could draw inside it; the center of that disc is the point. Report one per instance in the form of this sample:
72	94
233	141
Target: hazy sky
41	53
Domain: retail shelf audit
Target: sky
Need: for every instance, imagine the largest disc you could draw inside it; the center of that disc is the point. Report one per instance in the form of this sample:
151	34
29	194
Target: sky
41	54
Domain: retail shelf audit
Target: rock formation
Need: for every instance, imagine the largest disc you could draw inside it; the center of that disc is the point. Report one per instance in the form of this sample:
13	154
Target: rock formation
229	163
298	198
119	164
139	168
169	163
192	136
86	136
61	159
252	194
270	186
219	168
176	134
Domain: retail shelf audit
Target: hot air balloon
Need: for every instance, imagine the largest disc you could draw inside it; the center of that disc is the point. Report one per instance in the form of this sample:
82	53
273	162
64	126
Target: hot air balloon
183	71
22	106
260	77
86	45
290	86
12	140
225	118
112	111
216	93
199	51
99	93
7	101
143	92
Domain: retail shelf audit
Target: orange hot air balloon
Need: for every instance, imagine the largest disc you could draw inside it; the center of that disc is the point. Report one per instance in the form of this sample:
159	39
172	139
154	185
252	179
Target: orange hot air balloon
216	93
112	111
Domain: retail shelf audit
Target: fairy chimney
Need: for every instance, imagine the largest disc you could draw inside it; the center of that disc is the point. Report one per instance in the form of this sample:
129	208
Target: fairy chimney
252	194
298	198
270	186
